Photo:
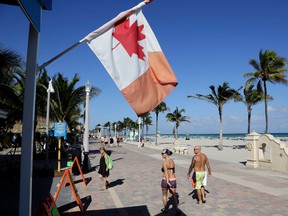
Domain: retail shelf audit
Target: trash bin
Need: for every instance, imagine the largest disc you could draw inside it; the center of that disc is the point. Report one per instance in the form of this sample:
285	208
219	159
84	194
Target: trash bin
77	152
85	167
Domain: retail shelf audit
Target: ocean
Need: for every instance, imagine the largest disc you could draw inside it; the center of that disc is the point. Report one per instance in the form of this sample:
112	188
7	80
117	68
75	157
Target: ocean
236	136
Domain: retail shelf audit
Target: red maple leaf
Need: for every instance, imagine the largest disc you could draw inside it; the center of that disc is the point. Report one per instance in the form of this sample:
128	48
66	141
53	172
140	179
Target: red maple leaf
129	36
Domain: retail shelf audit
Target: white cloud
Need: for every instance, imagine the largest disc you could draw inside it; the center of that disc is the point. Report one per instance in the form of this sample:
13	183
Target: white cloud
235	118
277	109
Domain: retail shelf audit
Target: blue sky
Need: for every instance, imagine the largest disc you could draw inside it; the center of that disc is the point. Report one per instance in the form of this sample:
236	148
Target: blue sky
205	42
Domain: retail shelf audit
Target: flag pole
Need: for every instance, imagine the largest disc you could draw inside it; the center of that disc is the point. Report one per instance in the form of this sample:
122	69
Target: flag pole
61	54
84	39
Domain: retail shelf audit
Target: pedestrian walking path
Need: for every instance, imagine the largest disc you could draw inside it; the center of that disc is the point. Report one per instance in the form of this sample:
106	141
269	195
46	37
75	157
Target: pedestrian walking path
233	189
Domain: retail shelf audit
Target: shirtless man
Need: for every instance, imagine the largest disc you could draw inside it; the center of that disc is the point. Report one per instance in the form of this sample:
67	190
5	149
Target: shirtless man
198	163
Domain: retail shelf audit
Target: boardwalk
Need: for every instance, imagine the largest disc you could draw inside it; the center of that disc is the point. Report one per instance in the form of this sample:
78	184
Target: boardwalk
233	189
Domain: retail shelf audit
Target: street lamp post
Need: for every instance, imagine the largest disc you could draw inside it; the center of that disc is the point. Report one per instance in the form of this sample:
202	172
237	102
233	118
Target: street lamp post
88	87
49	90
115	131
139	123
115	134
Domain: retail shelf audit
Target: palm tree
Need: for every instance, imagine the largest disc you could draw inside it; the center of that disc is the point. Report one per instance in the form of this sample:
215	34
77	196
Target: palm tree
220	97
10	61
67	99
107	125
127	124
147	121
113	126
120	127
162	107
177	117
11	88
134	126
252	97
41	95
270	68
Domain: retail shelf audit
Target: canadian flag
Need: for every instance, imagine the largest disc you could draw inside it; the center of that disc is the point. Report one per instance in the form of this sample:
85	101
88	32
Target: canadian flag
130	52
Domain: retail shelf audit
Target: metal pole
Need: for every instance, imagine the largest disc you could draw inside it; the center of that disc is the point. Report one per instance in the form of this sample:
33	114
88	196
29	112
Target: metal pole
47	129
59	154
86	130
139	123
115	132
61	54
25	198
86	125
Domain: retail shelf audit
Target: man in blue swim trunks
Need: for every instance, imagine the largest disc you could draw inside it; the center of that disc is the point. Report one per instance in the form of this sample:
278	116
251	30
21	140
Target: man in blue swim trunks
198	163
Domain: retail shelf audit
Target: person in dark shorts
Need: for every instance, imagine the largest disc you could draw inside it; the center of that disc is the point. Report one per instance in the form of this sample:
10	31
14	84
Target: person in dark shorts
168	182
103	168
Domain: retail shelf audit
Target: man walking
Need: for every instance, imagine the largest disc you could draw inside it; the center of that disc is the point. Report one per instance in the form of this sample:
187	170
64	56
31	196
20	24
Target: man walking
198	163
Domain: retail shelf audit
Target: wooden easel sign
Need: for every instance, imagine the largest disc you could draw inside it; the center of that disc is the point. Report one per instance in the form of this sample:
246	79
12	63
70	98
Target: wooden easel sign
79	169
68	176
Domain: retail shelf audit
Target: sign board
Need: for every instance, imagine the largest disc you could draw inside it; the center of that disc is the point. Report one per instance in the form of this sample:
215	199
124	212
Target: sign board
67	175
46	4
60	129
76	162
32	10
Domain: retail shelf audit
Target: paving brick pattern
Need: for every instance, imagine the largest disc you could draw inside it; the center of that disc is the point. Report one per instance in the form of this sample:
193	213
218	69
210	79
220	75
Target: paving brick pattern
233	189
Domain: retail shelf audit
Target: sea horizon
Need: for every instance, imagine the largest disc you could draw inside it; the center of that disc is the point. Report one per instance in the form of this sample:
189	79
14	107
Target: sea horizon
225	135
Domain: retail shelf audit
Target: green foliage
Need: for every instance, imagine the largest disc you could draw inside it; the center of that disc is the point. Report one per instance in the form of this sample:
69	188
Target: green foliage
11	88
219	98
271	68
177	117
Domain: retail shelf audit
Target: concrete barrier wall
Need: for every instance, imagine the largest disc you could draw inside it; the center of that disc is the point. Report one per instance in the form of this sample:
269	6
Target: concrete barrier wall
265	151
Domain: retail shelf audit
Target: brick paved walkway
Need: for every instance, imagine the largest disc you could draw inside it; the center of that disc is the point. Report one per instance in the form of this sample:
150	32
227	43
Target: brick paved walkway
233	189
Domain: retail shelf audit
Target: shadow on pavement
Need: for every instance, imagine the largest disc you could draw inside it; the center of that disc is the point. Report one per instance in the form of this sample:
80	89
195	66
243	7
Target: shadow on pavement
10	185
85	200
135	210
87	180
116	182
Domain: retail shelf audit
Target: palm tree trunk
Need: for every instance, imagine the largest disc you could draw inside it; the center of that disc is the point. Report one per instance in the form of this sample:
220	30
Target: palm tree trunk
249	120
220	146
156	128
266	107
143	124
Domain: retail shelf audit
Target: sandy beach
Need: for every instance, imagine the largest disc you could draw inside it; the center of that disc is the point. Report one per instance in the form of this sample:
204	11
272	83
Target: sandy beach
234	150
